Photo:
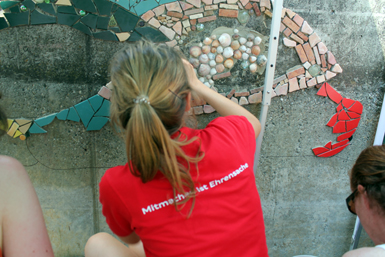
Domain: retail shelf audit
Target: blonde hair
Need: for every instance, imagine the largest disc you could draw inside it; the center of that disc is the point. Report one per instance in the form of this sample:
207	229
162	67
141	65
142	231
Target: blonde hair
150	90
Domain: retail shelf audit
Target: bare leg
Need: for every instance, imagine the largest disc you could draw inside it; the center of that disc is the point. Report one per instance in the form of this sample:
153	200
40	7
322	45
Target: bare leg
22	229
105	245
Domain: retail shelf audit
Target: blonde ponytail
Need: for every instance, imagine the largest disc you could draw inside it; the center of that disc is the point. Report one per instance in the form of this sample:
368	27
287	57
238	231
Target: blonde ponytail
148	102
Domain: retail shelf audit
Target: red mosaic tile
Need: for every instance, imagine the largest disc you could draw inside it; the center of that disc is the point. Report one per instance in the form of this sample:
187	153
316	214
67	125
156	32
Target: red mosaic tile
346	135
232	92
340	143
333	120
347	103
352	124
222	75
333	94
287	32
353	115
339	107
309	52
340	127
208	18
298	19
329	145
357	107
302	36
238	94
333	152
322	91
319	150
343	115
323	61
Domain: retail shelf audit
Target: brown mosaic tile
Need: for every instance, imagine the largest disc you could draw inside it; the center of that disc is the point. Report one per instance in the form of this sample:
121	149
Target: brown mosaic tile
316	55
248	6
281	27
208	109
301	53
232	92
159	10
295	71
228	6
174	6
193	11
208	13
168	32
256	9
323	61
298	19
178	28
228	13
309	53
175	14
148	15
221	75
302	36
302	83
289	23
238	94
256	90
255	98
208	18
193	22
296	38
185	6
185	17
306	28
193	28
314	39
293	84
290	13
287	32
211	7
311	82
196	3
198	110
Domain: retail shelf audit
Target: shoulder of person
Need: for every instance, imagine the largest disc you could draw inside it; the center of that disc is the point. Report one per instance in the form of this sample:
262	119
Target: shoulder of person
9	163
366	252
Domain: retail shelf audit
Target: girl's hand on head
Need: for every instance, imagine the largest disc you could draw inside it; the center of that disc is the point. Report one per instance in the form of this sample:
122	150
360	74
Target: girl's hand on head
191	76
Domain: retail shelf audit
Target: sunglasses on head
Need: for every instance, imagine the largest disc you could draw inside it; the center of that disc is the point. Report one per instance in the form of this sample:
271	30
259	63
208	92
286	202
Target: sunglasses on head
350	202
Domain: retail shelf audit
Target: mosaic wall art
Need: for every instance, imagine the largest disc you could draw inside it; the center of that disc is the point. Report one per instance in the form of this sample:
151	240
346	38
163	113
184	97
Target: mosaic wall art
173	22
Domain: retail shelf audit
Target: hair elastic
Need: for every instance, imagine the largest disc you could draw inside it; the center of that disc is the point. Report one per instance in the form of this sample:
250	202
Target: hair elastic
142	99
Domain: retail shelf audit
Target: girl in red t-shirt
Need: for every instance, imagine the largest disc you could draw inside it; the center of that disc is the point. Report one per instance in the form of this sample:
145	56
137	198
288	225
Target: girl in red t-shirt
183	192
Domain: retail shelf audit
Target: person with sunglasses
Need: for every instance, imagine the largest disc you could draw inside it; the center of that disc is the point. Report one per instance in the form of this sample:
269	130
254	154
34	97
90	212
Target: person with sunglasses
22	227
367	181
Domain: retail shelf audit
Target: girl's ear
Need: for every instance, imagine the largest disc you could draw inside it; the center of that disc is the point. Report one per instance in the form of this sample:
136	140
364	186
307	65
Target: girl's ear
364	193
188	102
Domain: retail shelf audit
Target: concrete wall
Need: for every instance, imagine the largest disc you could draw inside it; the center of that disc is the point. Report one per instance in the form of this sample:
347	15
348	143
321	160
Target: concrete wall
44	69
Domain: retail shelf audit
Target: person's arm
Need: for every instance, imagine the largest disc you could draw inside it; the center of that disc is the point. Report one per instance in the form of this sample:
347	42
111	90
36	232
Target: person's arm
221	104
134	243
22	226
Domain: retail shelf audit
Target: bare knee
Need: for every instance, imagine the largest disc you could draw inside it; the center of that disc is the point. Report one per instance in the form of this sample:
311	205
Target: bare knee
97	243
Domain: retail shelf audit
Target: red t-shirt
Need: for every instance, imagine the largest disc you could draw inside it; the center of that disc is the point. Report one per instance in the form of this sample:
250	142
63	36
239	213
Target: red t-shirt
227	216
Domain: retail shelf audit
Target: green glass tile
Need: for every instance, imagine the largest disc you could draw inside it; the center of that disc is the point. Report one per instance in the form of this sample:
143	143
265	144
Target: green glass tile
96	101
83	28
85	5
15	9
39	18
103	22
73	115
165	1
105	35
7	4
29	4
124	3
115	29
97	123
90	20
35	129
112	22
126	20
135	36
62	115
152	34
114	8
144	6
16	19
85	112
3	23
45	120
104	111
66	9
67	19
47	8
104	7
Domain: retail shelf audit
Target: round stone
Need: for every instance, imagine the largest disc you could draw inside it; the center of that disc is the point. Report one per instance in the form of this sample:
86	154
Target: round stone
245	64
211	56
200	26
141	23
23	8
204	70
314	70
243	16
261	60
47	1
82	13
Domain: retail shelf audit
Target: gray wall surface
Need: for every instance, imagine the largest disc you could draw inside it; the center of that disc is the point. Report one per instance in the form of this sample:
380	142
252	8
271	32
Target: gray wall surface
44	69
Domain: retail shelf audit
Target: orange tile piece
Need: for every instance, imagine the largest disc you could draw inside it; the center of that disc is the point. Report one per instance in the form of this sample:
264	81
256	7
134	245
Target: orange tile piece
301	53
309	52
228	13
289	23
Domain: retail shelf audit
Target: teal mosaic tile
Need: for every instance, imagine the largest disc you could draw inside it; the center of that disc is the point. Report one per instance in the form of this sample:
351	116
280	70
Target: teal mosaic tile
97	123
102	22
116	29
104	7
135	36
3	23
85	5
66	9
105	35
15	9
90	20
83	28
124	3
62	115
35	129
96	101
16	19
114	8
45	120
152	34
29	4
132	3
144	6
8	4
47	8
67	19
73	115
85	112
104	111
166	1
39	18
126	20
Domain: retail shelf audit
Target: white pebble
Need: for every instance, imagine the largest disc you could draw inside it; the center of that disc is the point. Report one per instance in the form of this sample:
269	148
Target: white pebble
236	31
202	79
212	63
211	56
245	56
213	71
242	40
257	40
249	44
242	48
228	52
219	49
211	82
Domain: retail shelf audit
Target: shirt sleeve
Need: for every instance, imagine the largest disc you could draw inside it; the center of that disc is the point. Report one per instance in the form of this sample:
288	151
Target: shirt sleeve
113	208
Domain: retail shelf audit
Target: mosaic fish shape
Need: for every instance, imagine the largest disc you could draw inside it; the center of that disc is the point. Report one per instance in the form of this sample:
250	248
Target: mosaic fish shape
170	22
